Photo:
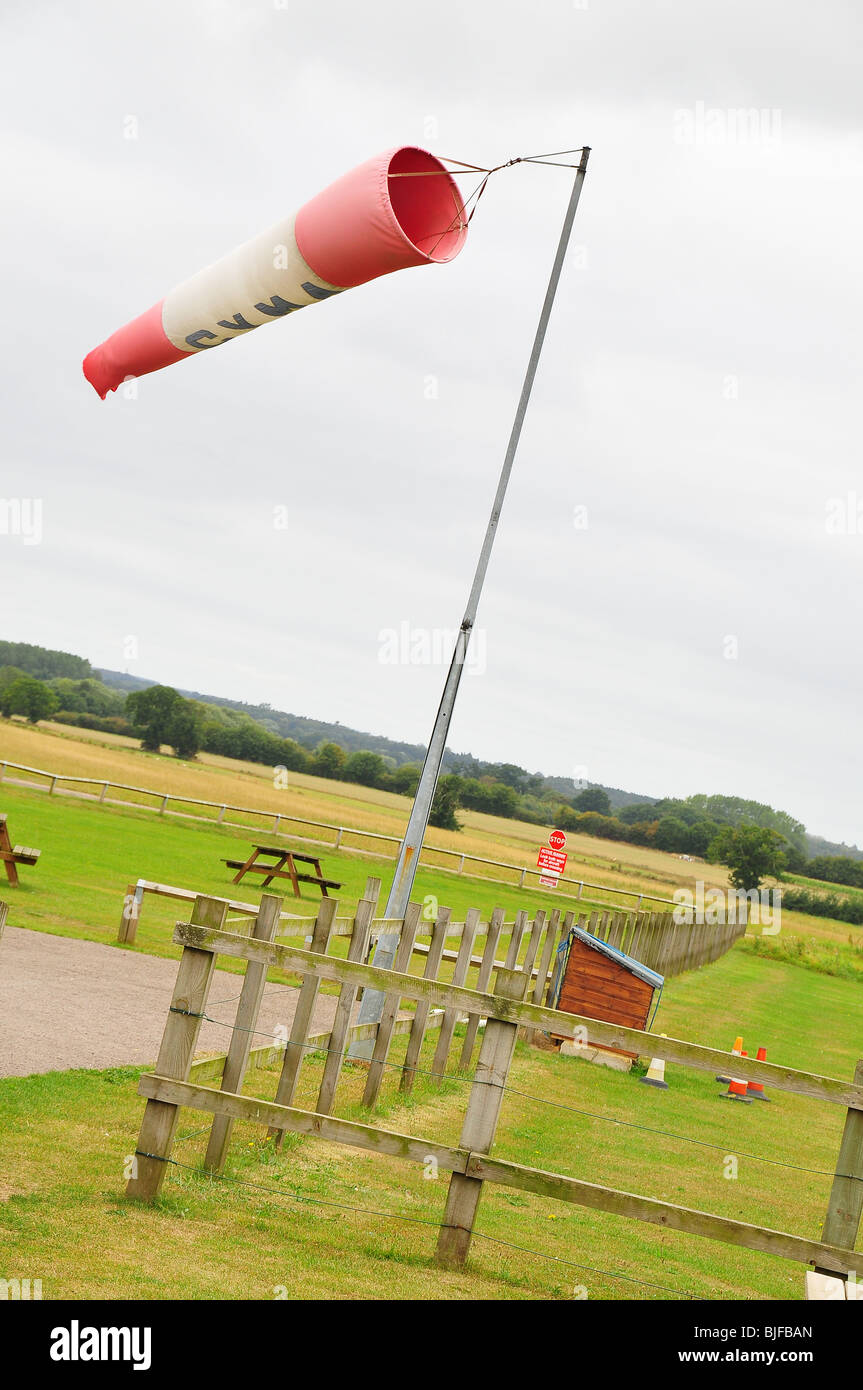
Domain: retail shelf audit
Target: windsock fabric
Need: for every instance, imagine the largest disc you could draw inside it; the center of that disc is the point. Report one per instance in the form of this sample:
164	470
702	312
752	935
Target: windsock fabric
399	209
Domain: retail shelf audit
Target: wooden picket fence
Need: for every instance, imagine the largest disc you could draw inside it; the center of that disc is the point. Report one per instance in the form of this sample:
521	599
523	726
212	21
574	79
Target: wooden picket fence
661	943
654	938
523	976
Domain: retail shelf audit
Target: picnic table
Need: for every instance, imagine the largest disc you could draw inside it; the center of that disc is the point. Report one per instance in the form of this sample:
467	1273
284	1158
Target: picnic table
260	861
12	855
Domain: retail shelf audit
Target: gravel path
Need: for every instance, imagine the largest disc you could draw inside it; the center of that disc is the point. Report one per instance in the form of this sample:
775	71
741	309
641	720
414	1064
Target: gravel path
66	1003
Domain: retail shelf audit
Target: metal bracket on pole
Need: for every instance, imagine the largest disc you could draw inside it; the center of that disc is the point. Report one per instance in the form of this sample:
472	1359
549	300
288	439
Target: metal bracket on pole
409	852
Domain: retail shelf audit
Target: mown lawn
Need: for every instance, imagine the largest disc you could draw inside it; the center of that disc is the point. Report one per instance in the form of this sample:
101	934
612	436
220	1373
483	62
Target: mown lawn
90	853
611	864
65	1137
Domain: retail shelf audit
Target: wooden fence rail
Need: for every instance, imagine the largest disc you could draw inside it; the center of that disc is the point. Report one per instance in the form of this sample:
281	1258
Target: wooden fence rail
470	1163
275	819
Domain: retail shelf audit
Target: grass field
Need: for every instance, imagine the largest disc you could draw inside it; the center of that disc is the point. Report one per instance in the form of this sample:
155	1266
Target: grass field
64	1137
57	748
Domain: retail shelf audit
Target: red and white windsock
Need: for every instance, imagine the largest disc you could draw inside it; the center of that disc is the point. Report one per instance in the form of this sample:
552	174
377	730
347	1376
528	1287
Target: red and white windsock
399	209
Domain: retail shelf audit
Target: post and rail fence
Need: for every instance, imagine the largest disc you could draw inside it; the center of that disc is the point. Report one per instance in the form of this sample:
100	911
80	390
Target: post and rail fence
518	1000
273	822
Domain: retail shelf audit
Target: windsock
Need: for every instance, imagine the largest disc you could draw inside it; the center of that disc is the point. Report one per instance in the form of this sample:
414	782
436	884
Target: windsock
400	208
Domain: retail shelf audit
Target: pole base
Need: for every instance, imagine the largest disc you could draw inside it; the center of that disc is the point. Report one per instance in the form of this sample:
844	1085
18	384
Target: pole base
651	1081
725	1095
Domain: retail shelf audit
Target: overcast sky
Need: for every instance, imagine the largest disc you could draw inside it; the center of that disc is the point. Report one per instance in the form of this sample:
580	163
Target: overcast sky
673	604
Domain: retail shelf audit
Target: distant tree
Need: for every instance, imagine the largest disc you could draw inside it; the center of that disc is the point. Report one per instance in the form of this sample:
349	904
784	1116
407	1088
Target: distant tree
8	675
445	804
835	868
29	697
87	696
795	860
593	799
185	729
328	761
152	711
751	852
404	779
672	834
43	663
366	768
637	813
566	818
701	835
605	827
509	773
642	832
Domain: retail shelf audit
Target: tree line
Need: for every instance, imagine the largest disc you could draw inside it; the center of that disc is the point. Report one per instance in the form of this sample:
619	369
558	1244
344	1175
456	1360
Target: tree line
754	839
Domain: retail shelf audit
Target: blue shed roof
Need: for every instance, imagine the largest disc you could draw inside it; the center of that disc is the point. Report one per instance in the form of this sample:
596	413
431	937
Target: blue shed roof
628	962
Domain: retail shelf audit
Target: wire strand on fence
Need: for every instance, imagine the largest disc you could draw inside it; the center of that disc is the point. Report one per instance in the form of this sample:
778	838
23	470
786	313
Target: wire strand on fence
474	1080
304	1199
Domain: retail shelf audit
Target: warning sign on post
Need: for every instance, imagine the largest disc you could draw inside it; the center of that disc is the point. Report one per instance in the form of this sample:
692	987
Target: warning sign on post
551	861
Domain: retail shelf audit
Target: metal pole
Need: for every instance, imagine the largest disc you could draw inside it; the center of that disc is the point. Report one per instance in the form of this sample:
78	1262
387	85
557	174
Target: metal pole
406	865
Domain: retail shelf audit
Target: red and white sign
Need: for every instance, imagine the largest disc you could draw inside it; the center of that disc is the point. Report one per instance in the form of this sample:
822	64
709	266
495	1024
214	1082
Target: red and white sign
551	861
546	882
557	839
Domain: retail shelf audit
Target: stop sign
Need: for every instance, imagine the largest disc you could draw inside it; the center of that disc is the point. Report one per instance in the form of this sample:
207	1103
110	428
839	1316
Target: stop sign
557	839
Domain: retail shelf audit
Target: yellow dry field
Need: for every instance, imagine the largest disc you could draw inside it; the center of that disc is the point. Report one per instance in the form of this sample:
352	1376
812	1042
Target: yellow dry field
58	748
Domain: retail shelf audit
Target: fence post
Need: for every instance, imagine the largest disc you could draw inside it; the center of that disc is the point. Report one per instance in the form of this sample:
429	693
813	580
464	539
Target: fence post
264	928
52	786
480	1122
845	1206
176	1053
4	908
162	808
104	792
132	901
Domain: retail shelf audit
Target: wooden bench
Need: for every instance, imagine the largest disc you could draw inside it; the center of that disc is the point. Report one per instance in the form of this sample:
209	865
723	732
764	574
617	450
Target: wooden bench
285	866
12	855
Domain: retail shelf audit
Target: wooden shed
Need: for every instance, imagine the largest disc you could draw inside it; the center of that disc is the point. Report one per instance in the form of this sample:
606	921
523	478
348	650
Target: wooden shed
598	981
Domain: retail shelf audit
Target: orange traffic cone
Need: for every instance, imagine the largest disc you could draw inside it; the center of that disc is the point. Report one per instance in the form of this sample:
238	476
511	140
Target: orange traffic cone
736	1088
755	1088
735	1052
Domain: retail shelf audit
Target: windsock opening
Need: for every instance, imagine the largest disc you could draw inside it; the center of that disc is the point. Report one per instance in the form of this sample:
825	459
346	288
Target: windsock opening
401	208
428	210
